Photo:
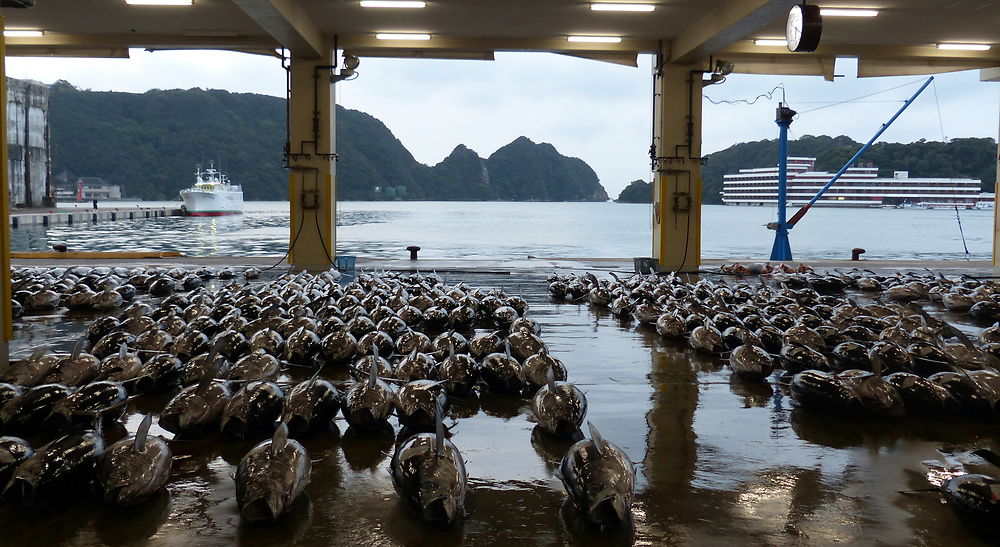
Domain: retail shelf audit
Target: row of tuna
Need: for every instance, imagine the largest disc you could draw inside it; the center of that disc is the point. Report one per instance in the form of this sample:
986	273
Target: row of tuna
888	357
408	341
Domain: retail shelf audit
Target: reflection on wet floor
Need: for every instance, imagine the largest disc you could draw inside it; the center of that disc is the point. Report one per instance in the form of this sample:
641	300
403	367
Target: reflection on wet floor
719	461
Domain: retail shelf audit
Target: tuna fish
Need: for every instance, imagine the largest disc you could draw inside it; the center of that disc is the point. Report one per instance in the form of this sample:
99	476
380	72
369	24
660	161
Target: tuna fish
66	461
13	450
416	403
271	477
197	409
599	479
30	371
368	403
134	468
311	406
252	409
559	407
428	472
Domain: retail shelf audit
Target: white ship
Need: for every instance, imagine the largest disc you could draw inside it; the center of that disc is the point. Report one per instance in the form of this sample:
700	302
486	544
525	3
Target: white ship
212	195
858	187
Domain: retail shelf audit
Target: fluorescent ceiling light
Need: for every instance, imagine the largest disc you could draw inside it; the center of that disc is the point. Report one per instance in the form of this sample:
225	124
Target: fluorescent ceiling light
965	47
159	2
847	12
596	39
402	36
392	4
770	42
23	33
622	7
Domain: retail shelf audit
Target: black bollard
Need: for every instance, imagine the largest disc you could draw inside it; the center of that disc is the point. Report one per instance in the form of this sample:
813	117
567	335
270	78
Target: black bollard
413	251
856	254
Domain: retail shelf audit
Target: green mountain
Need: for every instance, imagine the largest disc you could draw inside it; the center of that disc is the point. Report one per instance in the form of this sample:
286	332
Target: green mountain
149	144
637	191
959	158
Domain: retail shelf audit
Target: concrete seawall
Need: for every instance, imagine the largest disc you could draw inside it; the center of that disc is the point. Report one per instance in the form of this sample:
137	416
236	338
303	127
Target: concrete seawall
84	216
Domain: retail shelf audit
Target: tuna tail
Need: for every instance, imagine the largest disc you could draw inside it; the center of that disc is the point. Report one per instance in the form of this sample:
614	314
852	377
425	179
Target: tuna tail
78	348
596	439
123	351
550	379
877	365
506	347
280	439
38	354
140	435
439	425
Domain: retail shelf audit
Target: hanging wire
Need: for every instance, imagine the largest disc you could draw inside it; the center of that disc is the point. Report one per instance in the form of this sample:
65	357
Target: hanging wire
957	216
767	96
862	96
938	104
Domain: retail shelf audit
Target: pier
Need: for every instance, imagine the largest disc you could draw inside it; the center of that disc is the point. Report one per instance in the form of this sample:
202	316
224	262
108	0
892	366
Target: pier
50	217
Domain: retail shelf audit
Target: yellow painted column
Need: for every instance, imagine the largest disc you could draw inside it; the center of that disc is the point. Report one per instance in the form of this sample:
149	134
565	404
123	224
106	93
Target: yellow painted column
6	319
677	167
312	164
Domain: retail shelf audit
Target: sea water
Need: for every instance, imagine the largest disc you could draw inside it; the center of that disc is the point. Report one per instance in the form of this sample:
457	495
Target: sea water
518	230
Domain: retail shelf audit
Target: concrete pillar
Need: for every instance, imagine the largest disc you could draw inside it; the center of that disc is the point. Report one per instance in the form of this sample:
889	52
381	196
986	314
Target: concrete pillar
677	167
311	161
6	320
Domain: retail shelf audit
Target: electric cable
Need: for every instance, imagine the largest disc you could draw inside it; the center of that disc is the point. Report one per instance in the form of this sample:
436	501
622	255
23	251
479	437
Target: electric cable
290	247
861	97
766	95
960	231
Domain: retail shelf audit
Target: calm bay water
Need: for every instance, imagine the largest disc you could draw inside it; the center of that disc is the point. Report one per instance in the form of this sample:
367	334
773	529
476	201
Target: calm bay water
516	230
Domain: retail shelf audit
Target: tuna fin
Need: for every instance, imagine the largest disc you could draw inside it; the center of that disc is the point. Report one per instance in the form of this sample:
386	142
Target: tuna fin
123	350
206	379
315	376
140	435
596	439
439	426
373	371
78	348
280	439
39	353
550	378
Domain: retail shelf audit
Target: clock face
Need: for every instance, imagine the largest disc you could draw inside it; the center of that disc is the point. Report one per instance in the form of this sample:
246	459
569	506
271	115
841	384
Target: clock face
793	28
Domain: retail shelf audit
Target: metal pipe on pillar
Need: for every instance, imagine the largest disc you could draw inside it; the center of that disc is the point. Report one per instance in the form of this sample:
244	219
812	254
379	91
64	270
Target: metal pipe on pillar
6	315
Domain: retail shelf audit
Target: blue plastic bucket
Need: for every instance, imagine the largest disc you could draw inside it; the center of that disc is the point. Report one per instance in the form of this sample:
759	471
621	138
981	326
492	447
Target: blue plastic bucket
345	263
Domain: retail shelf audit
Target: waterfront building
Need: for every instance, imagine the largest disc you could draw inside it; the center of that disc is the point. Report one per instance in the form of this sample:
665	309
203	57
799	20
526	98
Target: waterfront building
860	186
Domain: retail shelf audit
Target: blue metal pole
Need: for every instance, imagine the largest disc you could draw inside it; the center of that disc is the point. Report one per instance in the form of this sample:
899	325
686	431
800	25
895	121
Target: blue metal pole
801	212
782	250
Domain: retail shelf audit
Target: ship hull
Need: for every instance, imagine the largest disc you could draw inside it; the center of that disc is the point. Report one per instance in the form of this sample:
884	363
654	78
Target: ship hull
212	204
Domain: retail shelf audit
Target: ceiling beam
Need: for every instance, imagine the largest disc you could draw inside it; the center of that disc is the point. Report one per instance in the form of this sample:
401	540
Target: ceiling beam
454	43
57	41
289	24
862	52
727	23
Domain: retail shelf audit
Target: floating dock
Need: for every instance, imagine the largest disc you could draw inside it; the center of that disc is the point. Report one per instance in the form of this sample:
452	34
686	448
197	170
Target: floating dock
49	217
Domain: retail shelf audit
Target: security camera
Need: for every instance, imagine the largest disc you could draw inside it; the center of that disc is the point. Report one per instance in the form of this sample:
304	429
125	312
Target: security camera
351	61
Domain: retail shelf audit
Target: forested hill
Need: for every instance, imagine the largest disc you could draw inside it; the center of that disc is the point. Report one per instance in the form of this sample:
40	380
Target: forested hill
149	144
958	158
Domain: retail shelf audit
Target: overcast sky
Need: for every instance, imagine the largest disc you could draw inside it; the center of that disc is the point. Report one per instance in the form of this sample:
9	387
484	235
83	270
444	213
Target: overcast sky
595	111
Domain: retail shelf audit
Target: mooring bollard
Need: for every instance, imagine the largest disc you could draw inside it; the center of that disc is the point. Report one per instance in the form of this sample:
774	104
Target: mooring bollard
856	254
413	251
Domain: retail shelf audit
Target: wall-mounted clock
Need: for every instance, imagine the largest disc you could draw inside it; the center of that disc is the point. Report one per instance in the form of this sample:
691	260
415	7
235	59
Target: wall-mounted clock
803	28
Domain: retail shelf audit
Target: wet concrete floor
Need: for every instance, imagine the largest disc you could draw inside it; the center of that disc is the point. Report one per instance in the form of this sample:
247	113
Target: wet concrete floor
719	462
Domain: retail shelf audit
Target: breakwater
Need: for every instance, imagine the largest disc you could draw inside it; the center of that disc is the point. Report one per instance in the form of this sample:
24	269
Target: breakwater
88	216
